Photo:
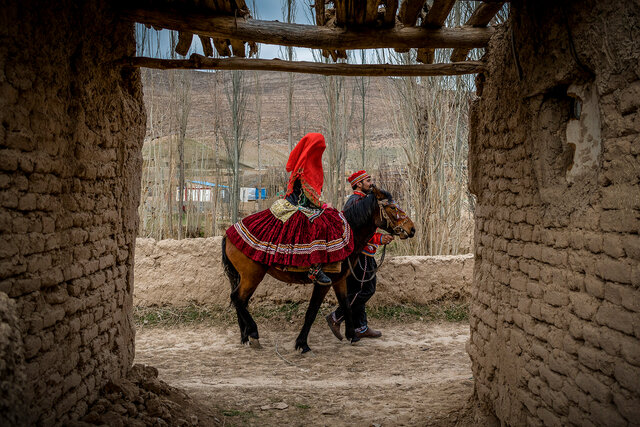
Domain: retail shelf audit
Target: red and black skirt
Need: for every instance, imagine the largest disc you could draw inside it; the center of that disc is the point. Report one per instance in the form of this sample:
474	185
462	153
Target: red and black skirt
299	241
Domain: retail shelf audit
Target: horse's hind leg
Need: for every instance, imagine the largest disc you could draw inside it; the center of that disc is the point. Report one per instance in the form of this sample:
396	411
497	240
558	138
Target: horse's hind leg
319	292
240	298
245	275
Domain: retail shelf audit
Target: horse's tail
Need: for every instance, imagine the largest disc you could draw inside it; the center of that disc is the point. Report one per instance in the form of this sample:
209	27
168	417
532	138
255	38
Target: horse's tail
229	269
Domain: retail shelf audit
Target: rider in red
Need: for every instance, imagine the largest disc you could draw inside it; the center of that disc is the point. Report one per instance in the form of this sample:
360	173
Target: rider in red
362	286
298	230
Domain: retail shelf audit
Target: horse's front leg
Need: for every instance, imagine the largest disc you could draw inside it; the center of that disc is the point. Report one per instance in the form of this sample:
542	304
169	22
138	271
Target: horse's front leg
319	292
340	289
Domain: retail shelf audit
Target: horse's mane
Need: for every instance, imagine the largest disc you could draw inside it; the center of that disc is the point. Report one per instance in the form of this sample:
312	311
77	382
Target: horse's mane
359	214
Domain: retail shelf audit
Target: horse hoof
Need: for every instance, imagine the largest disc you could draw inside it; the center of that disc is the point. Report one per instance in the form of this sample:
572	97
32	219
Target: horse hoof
254	343
354	340
303	347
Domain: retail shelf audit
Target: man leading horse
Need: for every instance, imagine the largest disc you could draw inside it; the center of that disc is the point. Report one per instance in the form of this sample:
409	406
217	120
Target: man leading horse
361	284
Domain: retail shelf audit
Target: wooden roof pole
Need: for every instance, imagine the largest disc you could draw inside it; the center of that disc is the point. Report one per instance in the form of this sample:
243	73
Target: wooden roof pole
409	11
435	19
408	15
202	63
480	18
390	8
311	36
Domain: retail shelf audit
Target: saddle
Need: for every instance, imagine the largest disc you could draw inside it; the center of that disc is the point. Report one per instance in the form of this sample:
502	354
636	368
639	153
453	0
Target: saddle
334	267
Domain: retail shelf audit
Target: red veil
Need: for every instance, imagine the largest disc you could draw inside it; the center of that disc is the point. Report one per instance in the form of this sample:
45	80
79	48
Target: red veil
305	164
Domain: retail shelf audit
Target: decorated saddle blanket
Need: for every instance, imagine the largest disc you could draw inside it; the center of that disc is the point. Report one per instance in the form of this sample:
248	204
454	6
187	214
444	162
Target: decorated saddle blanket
290	235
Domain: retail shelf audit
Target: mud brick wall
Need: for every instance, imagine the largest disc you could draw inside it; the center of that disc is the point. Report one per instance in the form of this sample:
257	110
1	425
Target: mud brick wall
182	272
70	142
555	164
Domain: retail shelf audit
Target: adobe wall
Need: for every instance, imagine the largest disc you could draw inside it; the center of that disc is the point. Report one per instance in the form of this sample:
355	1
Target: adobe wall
182	272
70	143
555	164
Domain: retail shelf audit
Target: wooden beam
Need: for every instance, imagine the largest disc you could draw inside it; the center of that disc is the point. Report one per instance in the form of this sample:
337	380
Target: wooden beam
206	46
409	11
480	18
222	46
438	13
372	11
355	12
408	15
341	12
390	8
435	19
199	62
311	36
319	5
351	13
184	43
237	47
483	14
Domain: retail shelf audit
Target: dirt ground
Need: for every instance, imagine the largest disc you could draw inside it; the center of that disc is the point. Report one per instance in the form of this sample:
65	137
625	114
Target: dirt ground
418	373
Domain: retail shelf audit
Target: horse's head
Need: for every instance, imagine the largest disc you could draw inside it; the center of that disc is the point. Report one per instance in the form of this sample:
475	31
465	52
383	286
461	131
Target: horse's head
390	217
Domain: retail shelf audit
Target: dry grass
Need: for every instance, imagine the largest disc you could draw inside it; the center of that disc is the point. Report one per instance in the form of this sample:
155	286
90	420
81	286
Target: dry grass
293	312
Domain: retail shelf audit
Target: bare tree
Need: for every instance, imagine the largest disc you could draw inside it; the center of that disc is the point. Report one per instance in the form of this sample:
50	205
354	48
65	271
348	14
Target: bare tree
337	117
180	82
234	137
289	15
183	107
258	99
431	118
362	83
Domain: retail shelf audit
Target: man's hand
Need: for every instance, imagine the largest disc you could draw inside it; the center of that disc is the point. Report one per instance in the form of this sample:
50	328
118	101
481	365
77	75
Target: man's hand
385	239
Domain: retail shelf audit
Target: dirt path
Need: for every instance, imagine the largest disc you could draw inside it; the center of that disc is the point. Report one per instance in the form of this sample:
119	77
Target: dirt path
416	374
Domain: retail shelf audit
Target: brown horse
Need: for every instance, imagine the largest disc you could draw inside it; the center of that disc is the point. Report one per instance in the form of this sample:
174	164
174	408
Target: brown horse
377	210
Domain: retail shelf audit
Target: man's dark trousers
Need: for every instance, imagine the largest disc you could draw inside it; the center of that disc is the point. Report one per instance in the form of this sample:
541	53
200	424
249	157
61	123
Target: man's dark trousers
359	291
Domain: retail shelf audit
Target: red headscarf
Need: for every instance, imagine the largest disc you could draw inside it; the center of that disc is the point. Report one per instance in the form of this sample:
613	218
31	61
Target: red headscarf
305	163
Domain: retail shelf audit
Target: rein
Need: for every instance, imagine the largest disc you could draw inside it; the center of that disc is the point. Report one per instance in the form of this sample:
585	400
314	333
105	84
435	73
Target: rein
384	252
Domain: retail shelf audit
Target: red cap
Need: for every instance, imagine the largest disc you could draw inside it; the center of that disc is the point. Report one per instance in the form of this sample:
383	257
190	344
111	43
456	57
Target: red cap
356	177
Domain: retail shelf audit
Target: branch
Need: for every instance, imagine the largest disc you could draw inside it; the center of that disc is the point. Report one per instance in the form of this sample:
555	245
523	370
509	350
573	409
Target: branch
201	63
311	36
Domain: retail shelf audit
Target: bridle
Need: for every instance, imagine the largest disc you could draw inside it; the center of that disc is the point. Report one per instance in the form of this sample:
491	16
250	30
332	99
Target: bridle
400	218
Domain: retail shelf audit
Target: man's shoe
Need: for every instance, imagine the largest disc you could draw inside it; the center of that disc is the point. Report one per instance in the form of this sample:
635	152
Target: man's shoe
369	333
334	325
316	275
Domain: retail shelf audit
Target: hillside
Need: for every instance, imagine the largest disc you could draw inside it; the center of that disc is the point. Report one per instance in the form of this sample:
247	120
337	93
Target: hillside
310	109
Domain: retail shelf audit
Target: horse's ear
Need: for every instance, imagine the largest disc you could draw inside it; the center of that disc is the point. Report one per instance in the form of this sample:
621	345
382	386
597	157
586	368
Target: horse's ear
379	194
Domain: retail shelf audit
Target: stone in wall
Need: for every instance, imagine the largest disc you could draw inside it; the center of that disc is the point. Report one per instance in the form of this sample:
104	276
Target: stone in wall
181	272
554	155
